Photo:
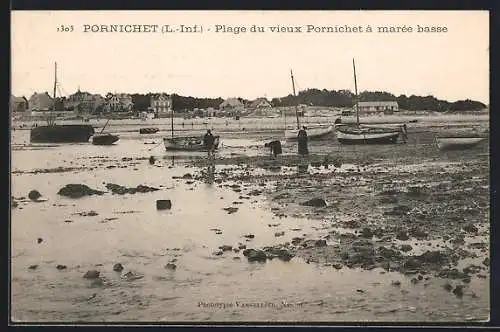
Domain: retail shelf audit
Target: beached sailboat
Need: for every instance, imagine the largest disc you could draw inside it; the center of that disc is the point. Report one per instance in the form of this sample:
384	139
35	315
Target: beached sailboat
358	133
104	138
458	143
312	133
54	133
186	143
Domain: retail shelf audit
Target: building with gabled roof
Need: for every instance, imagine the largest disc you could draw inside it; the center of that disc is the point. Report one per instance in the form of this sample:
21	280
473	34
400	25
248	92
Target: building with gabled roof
19	104
40	102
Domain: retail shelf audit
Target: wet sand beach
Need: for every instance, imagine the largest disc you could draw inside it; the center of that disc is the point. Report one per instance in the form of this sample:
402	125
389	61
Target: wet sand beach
351	233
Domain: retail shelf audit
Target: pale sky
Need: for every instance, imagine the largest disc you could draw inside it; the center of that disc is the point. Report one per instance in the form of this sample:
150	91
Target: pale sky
451	65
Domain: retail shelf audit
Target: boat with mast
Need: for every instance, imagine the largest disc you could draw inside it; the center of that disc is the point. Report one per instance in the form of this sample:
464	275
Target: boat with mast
104	138
312	133
55	133
186	143
358	133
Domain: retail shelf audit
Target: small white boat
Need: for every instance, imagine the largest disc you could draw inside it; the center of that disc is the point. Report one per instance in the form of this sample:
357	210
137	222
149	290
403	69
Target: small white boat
352	134
312	133
458	143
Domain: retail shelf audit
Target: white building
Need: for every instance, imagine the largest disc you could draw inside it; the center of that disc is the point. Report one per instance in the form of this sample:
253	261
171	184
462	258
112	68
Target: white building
119	102
161	103
378	106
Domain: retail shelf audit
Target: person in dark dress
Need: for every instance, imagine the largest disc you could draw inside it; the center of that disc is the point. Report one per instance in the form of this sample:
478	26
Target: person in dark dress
208	142
275	148
302	139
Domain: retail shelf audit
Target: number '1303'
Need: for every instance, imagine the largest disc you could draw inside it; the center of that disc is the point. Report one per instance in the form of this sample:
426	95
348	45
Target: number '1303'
65	28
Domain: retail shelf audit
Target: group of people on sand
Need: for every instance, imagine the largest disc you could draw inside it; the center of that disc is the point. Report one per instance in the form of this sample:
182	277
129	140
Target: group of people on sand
274	146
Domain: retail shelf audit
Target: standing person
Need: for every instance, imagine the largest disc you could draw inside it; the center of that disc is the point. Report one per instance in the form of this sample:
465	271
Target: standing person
208	142
404	133
302	138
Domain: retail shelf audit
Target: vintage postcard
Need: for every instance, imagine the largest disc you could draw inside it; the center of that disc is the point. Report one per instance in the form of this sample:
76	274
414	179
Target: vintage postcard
250	166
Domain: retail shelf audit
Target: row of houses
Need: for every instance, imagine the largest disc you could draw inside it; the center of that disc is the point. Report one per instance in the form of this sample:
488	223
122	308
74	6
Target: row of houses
85	102
160	103
237	104
262	104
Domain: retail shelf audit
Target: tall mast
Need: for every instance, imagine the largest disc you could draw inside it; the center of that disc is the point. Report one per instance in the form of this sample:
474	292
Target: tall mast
355	91
55	80
295	97
172	118
51	119
284	114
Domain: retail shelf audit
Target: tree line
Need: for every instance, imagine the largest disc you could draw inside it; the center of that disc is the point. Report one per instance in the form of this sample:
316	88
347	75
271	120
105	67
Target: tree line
326	98
345	98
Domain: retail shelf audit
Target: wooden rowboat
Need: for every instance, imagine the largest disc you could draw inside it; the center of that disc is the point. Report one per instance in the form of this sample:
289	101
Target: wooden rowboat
193	143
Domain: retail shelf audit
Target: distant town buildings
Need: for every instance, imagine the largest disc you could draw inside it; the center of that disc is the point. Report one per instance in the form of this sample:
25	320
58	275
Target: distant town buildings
40	102
259	103
232	105
84	102
378	107
19	104
118	102
160	104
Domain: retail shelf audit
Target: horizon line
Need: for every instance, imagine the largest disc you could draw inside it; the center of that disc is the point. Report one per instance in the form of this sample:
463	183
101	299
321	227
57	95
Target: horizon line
249	99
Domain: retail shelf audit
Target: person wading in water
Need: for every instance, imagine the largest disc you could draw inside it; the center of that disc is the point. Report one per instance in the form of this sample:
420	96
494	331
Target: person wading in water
208	141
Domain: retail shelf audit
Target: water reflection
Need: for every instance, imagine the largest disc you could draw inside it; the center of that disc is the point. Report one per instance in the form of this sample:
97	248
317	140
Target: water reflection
303	166
209	173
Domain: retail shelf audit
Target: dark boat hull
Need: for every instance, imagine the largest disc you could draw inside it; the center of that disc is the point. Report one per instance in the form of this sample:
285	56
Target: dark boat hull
148	130
384	140
61	134
107	139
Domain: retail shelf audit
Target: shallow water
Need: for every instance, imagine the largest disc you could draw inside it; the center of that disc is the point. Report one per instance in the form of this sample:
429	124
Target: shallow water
205	287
